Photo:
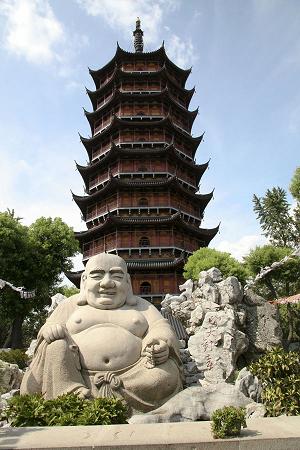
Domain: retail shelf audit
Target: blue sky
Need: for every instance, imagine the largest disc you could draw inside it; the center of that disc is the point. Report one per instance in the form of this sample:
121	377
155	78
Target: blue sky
246	69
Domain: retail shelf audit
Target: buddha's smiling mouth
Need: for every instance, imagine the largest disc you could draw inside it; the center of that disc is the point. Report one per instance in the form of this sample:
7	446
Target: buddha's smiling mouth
107	293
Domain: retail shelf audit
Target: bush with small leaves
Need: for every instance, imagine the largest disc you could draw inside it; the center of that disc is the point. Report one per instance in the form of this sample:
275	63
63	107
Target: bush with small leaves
17	356
66	410
279	373
228	422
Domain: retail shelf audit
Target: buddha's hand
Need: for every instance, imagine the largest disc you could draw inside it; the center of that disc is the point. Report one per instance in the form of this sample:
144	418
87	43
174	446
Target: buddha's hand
52	333
157	351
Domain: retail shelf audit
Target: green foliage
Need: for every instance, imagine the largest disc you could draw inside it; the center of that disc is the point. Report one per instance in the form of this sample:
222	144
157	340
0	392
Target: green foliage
279	372
295	185
290	321
67	291
33	257
273	213
32	324
16	356
283	281
206	258
227	422
68	409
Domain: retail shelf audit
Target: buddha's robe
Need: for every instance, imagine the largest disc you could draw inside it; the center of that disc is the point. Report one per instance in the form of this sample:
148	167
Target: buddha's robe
102	351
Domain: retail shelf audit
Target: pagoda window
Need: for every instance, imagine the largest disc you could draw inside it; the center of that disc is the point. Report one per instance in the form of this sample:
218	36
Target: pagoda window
144	242
142	169
143	201
140	66
145	288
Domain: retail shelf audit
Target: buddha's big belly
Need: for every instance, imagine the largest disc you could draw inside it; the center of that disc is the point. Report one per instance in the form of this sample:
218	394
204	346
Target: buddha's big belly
107	347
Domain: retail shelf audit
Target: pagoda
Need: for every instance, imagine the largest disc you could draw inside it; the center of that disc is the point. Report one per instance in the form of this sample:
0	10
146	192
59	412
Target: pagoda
141	182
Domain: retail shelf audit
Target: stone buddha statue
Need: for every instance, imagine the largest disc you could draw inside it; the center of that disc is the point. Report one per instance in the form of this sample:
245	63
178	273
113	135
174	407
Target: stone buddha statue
106	342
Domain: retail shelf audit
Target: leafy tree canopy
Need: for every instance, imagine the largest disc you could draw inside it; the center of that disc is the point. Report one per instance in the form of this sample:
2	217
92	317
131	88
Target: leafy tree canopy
33	257
281	282
273	213
279	223
206	258
67	291
295	185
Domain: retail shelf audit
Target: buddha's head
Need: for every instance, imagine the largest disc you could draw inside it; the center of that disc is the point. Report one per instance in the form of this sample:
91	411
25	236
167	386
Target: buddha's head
105	283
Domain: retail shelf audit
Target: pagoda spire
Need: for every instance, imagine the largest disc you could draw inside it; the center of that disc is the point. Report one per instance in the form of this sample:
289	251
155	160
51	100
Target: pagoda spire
138	37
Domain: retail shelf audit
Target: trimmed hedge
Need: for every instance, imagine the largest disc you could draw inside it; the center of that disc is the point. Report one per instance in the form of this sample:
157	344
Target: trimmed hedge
228	422
68	409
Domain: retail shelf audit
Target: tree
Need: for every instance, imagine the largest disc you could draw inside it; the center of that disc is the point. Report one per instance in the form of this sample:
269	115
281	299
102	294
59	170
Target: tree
282	281
295	191
295	185
279	223
33	257
67	291
273	213
206	258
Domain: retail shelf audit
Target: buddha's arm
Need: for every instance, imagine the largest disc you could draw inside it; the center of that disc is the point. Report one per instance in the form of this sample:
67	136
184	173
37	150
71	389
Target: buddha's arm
54	327
160	335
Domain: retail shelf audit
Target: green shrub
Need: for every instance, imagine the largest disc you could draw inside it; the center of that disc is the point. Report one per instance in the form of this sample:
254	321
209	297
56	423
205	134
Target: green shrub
279	373
206	258
68	409
227	422
17	356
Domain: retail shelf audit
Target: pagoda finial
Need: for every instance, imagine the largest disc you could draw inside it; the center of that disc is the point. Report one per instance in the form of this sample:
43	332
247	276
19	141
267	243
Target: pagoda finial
138	37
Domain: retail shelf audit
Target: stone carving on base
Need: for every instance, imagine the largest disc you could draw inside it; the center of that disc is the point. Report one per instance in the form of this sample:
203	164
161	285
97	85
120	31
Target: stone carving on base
199	402
106	342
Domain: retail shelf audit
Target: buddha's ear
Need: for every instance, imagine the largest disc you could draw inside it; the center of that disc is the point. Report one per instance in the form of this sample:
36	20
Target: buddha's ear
130	300
82	300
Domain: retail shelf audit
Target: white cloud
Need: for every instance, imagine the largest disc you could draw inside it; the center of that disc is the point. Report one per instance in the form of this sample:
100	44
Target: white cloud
32	30
121	14
181	52
38	183
242	246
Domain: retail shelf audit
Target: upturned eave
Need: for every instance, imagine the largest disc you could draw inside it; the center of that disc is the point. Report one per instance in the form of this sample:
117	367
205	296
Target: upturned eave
116	152
121	123
119	95
85	200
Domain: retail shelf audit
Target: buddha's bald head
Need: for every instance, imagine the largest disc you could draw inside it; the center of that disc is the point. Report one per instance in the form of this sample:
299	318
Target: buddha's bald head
106	283
106	260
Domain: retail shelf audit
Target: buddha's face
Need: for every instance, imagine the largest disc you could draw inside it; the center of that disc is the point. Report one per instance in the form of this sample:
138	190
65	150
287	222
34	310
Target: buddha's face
106	284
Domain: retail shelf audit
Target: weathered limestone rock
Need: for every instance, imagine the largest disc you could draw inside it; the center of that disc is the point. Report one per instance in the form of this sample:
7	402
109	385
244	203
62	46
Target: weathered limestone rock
261	325
215	274
198	403
224	324
186	292
106	342
217	345
231	291
249	385
206	289
10	376
56	300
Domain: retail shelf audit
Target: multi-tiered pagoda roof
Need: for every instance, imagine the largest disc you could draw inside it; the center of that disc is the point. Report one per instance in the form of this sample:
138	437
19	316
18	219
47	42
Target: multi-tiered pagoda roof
141	182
